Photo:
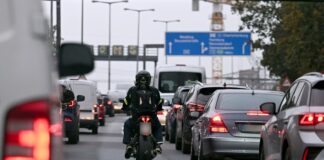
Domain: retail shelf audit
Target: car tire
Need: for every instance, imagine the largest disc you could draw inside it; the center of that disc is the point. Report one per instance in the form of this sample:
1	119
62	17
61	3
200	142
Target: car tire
287	154
102	122
185	147
261	152
192	152
74	136
172	134
95	130
177	143
167	136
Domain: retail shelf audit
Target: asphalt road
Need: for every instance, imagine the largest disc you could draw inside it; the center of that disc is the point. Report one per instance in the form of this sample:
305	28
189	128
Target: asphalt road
107	145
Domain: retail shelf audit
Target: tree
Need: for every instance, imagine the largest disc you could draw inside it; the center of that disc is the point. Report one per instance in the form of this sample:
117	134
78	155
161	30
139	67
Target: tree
291	34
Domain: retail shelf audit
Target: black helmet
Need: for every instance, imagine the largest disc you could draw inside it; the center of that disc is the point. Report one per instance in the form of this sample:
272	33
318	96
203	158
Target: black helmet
144	77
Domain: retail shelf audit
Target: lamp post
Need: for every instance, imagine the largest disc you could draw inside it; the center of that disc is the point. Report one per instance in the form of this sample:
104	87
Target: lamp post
139	11
109	32
166	22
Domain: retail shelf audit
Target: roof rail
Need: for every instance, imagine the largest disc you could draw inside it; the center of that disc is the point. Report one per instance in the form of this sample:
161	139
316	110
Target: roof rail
317	74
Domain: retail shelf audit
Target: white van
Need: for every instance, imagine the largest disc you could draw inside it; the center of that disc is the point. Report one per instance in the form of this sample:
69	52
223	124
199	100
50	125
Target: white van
88	113
168	78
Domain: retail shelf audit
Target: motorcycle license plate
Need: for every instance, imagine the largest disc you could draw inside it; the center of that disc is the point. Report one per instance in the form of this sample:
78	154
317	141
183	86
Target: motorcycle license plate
145	129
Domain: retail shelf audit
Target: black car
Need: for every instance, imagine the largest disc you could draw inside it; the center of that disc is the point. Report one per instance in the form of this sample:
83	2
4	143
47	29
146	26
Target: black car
170	126
192	109
71	119
231	123
107	102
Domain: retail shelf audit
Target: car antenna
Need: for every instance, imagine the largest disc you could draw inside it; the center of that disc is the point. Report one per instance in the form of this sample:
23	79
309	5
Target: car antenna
224	84
253	92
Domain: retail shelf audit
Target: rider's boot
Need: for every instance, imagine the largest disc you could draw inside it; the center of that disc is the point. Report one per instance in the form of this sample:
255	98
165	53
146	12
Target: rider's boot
129	151
158	148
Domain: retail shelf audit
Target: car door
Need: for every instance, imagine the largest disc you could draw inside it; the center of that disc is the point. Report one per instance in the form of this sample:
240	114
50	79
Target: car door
275	126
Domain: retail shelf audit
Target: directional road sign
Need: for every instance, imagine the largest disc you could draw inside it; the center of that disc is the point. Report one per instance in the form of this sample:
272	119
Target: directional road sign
208	43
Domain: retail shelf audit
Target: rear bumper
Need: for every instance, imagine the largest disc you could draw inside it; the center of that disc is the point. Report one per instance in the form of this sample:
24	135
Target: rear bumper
229	146
85	123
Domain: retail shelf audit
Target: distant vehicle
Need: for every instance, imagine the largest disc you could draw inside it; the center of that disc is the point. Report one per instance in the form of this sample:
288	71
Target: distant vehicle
101	111
29	102
107	102
191	110
177	101
230	124
295	130
162	114
88	108
168	78
117	96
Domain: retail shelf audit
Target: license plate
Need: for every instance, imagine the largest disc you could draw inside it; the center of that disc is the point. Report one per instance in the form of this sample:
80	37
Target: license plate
145	129
250	128
194	114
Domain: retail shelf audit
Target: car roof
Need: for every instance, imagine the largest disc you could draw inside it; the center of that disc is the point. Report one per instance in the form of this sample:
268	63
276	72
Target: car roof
249	91
312	77
221	86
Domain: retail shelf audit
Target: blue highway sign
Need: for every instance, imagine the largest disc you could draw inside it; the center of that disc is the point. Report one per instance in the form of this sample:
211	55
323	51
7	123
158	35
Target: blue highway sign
208	43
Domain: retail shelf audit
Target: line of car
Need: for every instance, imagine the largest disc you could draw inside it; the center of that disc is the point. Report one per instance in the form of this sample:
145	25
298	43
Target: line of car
219	121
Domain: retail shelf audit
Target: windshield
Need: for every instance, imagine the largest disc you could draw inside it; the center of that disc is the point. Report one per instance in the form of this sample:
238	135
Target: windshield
246	101
170	81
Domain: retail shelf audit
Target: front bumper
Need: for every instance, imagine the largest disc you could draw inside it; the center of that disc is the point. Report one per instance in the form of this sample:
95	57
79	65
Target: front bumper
225	145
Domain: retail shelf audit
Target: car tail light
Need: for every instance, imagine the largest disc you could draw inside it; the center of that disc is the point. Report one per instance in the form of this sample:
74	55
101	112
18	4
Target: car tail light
159	113
217	125
109	102
145	119
257	113
71	104
193	107
28	132
311	119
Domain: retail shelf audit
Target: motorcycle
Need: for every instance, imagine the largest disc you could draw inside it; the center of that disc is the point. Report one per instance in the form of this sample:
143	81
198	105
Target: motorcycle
143	142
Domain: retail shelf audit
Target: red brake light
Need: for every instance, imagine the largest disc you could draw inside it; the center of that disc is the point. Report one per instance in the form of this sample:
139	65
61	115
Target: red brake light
160	113
305	154
28	134
257	113
217	125
71	103
67	119
145	119
193	107
109	102
310	119
177	106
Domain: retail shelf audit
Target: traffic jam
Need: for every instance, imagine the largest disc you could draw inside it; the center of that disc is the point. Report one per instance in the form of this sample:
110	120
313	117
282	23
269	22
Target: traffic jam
256	93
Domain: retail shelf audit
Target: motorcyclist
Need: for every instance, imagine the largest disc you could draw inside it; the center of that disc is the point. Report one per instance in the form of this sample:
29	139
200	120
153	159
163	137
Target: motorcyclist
66	94
139	98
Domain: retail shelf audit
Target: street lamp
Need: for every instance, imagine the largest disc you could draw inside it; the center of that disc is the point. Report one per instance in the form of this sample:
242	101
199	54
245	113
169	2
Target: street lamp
166	29
139	11
166	22
109	32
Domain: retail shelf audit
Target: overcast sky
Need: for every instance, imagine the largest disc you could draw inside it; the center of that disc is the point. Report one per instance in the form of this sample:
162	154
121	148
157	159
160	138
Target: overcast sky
124	32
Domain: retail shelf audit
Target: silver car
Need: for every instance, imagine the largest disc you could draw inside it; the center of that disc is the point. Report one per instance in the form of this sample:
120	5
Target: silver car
231	123
296	129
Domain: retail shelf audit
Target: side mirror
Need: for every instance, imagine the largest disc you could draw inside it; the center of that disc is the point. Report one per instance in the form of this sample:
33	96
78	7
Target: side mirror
121	100
268	107
80	98
176	101
75	59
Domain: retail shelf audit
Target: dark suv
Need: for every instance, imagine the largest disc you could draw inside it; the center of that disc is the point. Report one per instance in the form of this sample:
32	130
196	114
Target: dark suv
192	109
296	129
171	117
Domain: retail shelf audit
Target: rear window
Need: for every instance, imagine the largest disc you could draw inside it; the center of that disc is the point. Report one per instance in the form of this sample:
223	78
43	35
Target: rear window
183	94
170	81
204	95
246	101
317	97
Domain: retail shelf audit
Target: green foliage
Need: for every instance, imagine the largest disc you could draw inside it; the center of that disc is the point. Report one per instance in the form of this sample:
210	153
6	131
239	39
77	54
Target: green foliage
291	34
